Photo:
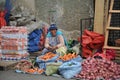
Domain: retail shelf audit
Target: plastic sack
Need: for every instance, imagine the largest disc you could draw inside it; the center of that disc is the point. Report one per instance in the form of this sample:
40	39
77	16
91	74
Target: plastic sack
90	42
33	42
34	34
77	59
86	40
91	33
42	63
33	48
100	56
2	19
111	53
86	52
70	69
97	42
52	68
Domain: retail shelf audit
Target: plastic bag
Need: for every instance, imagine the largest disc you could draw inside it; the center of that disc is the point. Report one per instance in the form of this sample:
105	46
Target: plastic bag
86	52
109	55
33	40
97	42
33	48
2	19
90	42
91	33
86	40
70	69
42	63
34	34
52	68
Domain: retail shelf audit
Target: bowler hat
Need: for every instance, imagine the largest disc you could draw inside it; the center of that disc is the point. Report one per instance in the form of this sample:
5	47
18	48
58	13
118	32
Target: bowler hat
53	27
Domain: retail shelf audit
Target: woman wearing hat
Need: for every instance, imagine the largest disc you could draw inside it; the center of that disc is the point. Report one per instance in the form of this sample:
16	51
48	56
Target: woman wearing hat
55	41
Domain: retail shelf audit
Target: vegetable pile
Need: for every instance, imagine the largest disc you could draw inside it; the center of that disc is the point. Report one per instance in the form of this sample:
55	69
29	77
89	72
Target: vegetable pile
27	67
47	56
34	71
93	69
23	65
68	56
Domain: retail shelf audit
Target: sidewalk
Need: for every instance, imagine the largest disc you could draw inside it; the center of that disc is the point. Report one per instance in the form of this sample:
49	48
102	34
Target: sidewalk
12	75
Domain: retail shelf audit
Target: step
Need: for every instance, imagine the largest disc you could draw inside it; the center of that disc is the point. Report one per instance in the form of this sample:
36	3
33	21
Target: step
35	53
114	11
6	65
111	47
113	28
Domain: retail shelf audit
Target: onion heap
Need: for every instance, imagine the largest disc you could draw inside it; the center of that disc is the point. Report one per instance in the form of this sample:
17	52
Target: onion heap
93	69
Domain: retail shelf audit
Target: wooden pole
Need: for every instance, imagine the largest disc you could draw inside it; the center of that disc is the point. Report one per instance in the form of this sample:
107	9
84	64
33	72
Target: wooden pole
99	16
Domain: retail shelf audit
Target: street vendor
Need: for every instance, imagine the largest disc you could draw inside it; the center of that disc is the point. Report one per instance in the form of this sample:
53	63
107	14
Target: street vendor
55	41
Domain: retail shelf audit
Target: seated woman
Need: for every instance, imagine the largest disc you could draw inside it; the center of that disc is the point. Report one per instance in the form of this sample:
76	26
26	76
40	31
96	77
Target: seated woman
55	41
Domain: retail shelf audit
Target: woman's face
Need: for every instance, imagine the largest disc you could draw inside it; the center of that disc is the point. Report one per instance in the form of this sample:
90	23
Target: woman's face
53	32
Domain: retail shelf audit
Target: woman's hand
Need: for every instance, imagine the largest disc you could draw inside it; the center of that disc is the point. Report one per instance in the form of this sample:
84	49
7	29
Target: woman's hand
55	47
50	48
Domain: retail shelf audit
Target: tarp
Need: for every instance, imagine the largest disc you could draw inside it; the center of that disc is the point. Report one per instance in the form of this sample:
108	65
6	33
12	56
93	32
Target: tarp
8	7
34	40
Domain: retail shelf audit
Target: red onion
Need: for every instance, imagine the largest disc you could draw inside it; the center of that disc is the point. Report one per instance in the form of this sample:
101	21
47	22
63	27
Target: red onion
96	68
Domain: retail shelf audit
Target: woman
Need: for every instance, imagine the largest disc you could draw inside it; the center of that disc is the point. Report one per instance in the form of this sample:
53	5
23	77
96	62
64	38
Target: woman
55	42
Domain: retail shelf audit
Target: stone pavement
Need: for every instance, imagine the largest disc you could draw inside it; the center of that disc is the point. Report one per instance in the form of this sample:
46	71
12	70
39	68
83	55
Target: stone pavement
12	75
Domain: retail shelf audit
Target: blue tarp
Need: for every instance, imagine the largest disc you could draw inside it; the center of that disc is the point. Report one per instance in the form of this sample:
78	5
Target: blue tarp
34	40
8	7
34	34
33	48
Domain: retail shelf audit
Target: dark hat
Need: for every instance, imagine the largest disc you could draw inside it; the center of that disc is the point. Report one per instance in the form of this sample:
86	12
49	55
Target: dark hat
53	27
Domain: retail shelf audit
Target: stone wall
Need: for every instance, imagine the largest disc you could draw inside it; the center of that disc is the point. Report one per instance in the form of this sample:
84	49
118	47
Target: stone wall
65	13
2	3
28	4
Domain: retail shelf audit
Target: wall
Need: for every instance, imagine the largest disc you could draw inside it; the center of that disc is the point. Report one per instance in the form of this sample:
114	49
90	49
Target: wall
65	13
29	4
2	4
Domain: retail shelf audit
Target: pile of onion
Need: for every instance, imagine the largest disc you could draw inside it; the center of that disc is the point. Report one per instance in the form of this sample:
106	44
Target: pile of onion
93	69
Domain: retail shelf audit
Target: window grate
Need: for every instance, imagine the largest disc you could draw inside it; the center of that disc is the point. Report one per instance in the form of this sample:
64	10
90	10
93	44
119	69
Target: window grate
115	22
